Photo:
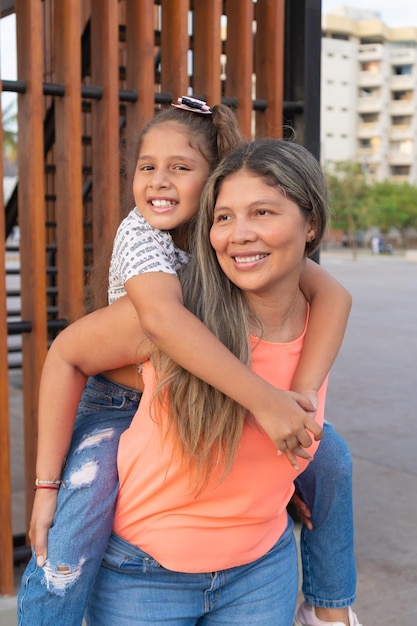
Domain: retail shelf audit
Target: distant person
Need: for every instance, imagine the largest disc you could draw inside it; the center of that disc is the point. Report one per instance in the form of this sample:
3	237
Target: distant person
376	245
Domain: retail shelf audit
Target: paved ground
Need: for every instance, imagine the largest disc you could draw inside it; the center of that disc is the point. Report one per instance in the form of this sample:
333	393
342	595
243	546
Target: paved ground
371	402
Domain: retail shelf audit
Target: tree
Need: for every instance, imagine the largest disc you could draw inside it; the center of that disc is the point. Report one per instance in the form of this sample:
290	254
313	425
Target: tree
348	192
393	205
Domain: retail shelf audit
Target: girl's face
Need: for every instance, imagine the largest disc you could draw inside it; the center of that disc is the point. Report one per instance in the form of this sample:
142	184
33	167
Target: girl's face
258	234
169	177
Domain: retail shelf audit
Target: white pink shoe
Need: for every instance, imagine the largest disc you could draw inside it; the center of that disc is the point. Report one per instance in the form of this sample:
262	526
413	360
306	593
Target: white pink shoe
306	616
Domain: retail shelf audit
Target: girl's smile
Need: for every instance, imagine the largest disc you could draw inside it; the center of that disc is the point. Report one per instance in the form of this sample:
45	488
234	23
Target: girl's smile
169	177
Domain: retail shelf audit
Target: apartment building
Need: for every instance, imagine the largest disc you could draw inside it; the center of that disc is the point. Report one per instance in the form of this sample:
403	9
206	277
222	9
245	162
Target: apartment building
369	94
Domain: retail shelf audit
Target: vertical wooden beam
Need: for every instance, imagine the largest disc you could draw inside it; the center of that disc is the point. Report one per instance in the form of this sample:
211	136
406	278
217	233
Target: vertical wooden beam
239	64
105	124
140	68
174	47
68	179
207	47
31	222
6	541
269	65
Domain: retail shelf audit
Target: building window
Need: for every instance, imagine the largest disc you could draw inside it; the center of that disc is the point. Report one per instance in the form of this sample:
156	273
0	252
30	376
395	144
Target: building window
339	36
401	120
404	147
370	66
400	170
402	70
369	118
407	96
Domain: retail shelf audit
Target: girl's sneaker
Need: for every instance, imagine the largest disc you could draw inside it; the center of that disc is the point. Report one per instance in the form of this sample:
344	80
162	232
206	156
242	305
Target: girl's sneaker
306	616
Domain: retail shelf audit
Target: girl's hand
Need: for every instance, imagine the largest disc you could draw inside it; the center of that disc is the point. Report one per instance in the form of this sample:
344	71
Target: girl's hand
296	450
43	512
290	424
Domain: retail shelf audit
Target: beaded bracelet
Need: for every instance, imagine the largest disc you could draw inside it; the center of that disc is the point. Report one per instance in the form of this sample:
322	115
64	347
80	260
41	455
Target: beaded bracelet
39	483
47	484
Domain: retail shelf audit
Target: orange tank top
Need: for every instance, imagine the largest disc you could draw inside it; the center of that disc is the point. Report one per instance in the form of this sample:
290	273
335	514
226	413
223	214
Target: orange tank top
227	524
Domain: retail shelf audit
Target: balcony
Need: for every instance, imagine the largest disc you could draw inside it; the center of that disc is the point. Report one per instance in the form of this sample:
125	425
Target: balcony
396	157
403	56
370	79
368	130
401	82
368	155
369	104
401	131
370	52
398	178
402	107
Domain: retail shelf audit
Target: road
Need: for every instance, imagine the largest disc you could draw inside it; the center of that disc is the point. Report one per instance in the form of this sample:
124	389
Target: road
371	402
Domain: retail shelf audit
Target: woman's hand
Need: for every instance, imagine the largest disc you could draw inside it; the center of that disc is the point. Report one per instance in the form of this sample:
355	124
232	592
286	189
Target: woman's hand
43	511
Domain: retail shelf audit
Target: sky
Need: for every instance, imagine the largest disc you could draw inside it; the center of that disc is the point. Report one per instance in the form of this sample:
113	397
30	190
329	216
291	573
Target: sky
393	13
8	69
8	47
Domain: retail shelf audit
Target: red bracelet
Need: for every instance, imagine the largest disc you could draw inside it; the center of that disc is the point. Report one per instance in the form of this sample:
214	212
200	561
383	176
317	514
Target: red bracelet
45	487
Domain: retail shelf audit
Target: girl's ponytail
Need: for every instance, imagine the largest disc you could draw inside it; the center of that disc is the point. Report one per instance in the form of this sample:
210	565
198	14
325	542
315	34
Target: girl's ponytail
227	129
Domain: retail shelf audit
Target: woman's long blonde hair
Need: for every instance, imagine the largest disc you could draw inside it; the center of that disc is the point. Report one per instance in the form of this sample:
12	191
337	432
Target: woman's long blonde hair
206	423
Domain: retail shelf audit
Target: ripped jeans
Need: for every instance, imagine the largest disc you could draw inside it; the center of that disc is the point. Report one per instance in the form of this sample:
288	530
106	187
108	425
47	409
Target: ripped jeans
58	592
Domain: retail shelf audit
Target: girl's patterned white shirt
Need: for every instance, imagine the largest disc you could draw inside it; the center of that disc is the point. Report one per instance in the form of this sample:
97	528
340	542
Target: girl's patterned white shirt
139	248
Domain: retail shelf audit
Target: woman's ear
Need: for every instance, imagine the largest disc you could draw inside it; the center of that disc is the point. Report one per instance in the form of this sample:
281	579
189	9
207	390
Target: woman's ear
311	233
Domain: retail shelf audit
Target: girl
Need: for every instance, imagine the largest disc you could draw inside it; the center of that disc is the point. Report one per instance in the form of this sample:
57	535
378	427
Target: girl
176	152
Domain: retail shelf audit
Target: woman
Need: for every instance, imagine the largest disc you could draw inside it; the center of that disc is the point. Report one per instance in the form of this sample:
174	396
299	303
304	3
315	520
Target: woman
201	533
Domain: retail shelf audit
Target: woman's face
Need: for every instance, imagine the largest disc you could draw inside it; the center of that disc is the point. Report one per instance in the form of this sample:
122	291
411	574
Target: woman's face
258	234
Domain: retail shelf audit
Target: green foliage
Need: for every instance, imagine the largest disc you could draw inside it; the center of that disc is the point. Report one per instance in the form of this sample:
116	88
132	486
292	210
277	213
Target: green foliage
357	205
393	205
348	193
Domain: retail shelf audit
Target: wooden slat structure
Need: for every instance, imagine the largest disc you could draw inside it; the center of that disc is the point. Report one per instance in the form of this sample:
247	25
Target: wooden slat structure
6	541
90	73
31	196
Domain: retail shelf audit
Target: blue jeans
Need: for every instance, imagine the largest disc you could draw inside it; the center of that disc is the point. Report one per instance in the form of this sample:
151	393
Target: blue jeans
58	592
84	517
133	588
327	553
